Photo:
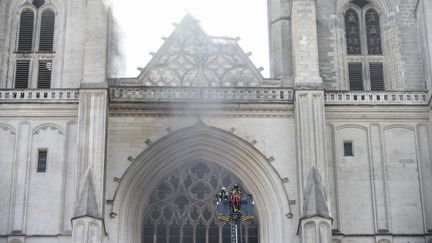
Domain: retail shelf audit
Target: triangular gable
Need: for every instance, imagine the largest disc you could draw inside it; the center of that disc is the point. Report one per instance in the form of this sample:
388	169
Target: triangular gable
189	57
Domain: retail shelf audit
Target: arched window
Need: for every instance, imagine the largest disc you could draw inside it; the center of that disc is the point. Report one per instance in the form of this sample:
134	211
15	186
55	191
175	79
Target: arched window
352	32
47	31
25	40
364	58
182	207
373	32
35	49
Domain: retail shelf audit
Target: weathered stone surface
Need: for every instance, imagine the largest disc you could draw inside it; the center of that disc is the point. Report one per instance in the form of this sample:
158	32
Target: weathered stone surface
190	57
108	147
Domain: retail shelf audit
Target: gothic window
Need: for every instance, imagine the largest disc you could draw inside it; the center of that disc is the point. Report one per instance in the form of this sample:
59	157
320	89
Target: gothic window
47	31
365	69
25	41
35	44
352	32
22	74
373	32
182	207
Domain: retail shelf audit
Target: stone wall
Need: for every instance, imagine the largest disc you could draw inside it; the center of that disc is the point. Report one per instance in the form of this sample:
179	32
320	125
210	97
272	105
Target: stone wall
401	46
382	188
37	205
128	136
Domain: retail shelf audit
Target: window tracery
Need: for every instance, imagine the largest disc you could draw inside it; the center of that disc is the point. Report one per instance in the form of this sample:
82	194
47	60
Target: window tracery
182	207
35	45
373	32
364	56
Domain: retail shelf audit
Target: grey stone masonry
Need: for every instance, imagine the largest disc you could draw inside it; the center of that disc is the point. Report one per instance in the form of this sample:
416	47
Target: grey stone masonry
281	64
305	44
413	74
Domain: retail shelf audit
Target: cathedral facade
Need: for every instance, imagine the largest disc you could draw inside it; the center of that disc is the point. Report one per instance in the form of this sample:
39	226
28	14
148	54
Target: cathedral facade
334	147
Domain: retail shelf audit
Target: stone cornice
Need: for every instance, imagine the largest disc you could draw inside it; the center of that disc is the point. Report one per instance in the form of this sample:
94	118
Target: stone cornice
184	109
377	113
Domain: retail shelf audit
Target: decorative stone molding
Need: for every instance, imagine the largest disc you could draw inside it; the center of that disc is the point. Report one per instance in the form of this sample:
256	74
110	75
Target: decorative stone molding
39	96
315	230
213	145
7	128
190	57
46	127
375	98
87	230
201	94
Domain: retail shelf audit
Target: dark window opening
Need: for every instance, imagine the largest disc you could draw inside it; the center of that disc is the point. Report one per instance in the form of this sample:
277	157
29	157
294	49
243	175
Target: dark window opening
22	74
373	32
355	73
360	3
348	149
42	161
376	76
47	31
44	75
25	40
352	32
38	3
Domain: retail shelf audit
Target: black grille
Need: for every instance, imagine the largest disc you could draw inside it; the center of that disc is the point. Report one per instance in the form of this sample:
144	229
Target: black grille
22	74
25	41
355	76
47	31
44	75
376	76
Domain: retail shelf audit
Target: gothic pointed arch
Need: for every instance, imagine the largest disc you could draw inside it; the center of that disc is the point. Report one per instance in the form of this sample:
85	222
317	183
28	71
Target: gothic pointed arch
201	142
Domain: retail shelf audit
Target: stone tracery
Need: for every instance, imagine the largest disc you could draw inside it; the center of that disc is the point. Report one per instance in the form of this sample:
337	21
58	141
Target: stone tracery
184	200
192	58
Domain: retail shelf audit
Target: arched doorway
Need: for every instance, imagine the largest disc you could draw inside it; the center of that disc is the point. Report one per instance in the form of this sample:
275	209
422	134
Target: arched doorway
181	208
212	145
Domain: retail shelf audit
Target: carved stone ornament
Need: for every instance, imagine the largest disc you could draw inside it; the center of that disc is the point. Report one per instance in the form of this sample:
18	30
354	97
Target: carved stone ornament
7	128
46	127
189	57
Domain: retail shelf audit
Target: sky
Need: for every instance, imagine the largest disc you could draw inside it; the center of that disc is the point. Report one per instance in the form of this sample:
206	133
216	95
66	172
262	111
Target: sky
145	22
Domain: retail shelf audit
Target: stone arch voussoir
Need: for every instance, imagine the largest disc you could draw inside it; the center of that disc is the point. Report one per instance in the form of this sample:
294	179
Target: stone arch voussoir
214	145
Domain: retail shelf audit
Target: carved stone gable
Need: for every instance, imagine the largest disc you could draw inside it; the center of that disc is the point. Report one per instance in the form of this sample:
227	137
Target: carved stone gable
189	57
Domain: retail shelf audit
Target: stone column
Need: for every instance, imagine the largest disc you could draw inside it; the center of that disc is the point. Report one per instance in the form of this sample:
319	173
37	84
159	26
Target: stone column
96	43
379	181
305	44
87	224
425	170
315	222
279	15
20	179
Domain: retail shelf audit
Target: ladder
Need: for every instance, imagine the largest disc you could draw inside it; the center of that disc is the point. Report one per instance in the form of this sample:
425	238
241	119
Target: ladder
236	231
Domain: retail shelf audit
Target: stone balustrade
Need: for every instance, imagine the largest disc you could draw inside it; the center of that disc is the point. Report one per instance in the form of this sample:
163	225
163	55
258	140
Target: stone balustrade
376	98
39	96
201	94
